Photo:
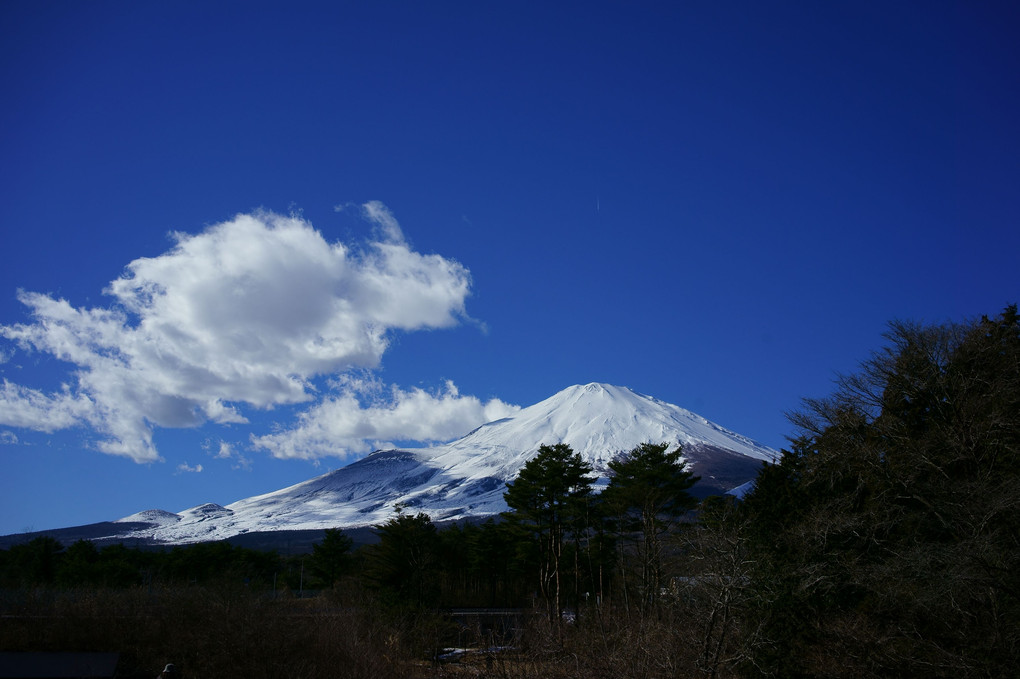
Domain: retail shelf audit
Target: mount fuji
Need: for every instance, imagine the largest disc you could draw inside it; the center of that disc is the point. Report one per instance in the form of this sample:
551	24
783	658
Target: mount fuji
466	478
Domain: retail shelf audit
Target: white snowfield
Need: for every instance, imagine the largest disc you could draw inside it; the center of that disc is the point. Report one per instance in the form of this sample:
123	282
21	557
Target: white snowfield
466	477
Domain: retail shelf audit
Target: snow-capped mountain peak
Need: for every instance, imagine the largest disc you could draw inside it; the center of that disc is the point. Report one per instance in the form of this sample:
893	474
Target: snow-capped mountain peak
600	421
467	477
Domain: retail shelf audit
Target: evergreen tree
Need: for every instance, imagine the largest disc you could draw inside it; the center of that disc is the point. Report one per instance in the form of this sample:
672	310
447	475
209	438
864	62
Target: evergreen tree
547	499
331	558
493	551
647	494
405	562
35	562
79	565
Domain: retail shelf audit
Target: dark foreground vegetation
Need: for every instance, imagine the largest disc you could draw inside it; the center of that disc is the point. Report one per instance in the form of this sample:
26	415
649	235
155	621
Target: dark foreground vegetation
884	543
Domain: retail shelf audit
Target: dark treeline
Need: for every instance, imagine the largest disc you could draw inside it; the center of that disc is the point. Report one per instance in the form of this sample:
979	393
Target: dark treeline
884	543
43	561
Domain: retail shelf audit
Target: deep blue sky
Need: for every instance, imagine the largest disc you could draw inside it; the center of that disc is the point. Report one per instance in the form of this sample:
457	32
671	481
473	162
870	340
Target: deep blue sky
720	204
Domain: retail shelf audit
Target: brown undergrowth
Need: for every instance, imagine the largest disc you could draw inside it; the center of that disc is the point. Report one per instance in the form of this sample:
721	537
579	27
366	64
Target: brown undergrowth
207	632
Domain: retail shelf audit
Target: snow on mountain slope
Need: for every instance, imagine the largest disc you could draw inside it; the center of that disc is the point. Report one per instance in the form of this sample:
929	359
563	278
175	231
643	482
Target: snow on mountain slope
467	477
157	517
598	421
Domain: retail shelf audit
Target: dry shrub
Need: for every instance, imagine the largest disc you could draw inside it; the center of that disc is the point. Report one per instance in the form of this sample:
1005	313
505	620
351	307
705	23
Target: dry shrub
609	644
207	632
233	632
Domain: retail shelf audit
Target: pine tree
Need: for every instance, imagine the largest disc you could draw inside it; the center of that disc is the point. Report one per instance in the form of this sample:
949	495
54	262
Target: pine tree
331	558
647	494
404	563
547	498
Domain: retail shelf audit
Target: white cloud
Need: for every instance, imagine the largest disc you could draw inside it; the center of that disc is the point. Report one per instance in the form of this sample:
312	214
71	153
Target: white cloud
247	312
185	468
8	438
381	216
340	426
32	409
225	451
222	450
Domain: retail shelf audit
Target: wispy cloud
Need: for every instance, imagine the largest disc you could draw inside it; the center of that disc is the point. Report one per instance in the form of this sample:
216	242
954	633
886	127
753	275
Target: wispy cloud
246	314
221	450
185	468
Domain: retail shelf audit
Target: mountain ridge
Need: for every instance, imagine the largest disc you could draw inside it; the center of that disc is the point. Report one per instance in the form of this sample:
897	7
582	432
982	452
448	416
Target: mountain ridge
466	478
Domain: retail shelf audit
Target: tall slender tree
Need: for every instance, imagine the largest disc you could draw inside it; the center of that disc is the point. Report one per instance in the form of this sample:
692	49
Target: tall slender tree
546	499
648	493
